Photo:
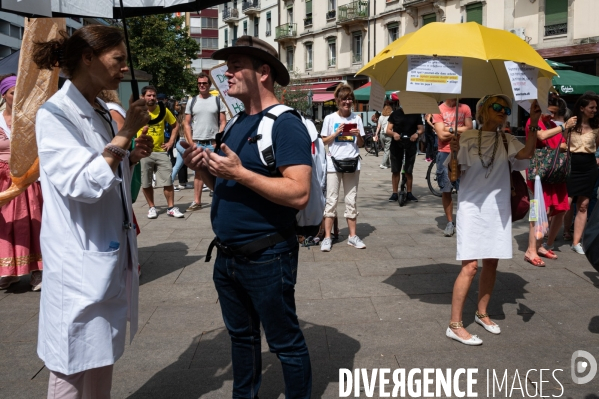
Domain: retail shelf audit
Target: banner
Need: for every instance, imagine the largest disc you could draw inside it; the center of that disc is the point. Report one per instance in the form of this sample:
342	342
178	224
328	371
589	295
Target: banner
221	83
434	74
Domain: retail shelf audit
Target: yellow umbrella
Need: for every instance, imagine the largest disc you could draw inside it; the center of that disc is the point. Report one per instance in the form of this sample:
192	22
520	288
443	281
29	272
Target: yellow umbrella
483	49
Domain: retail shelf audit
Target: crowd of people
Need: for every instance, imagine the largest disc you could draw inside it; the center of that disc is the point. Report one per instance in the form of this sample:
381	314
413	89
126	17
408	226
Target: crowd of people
94	159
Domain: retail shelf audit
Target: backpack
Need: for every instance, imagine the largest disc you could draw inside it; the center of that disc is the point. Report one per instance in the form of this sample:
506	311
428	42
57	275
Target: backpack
310	218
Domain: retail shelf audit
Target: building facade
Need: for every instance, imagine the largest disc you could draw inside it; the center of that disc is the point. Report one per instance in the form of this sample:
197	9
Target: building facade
256	18
203	27
330	40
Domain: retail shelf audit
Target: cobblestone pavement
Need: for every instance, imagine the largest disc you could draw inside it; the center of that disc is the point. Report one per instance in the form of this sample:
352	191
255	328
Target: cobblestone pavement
386	306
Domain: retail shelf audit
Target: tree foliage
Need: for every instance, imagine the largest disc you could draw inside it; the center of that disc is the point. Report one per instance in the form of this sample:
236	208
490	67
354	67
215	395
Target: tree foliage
293	95
161	46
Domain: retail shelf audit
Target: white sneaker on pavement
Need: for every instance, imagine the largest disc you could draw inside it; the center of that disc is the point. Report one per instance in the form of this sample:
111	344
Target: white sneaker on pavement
356	242
326	245
36	280
449	229
174	212
577	248
205	188
152	213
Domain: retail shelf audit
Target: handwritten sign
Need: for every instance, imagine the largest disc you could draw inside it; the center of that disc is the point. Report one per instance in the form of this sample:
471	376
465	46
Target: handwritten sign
377	96
221	83
524	80
434	74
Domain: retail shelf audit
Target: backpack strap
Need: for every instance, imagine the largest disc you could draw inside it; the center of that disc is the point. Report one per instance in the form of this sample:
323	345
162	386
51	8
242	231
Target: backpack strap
264	136
193	103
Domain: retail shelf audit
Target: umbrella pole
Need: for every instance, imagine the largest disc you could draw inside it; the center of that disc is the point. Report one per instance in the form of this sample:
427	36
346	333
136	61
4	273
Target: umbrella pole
453	164
134	86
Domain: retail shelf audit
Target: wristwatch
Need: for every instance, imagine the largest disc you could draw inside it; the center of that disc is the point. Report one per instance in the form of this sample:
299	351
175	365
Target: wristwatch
451	130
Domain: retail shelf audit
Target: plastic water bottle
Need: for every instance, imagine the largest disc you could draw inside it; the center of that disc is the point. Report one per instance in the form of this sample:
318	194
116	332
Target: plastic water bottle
114	245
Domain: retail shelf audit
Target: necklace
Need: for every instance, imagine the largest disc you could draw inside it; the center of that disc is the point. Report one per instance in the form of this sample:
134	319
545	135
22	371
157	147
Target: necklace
489	165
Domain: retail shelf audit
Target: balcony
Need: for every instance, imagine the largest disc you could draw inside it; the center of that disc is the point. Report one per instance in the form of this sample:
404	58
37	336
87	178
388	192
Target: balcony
557	29
331	14
285	32
354	13
251	7
307	22
357	59
413	2
230	15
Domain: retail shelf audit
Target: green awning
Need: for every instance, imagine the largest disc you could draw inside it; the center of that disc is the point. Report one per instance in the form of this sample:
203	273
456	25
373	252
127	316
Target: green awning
558	65
572	82
363	93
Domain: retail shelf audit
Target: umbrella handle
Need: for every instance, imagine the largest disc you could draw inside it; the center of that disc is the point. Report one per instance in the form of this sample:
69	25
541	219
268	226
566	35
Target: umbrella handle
453	171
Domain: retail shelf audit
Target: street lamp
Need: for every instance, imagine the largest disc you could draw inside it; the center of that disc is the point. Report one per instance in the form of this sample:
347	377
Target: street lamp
309	111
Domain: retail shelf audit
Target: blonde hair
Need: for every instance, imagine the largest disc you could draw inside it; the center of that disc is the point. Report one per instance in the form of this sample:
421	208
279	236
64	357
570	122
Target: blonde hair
110	96
387	110
344	92
483	113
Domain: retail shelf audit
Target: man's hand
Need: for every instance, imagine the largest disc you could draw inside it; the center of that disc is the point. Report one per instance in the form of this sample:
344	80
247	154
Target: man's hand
227	167
193	157
396	136
414	137
143	147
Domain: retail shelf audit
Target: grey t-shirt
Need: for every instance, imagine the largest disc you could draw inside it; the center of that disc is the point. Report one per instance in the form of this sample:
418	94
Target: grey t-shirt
204	118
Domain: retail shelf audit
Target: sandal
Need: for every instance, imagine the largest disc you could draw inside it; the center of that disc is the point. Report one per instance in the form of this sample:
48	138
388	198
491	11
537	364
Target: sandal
549	254
535	262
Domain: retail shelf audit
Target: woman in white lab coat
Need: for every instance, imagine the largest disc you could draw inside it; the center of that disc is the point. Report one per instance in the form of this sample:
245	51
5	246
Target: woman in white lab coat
87	239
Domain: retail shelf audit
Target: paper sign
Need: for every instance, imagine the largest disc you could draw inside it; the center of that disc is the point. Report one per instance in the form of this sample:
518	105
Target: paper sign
544	86
524	80
377	96
417	103
221	83
434	74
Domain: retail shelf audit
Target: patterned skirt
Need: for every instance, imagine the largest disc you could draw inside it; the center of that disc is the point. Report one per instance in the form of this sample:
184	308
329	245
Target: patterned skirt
20	224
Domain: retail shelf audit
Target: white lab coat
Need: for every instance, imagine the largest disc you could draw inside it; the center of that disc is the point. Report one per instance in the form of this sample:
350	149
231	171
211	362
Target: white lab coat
90	290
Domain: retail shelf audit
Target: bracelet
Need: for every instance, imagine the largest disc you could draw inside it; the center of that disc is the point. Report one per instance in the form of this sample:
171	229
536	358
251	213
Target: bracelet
533	129
117	151
563	128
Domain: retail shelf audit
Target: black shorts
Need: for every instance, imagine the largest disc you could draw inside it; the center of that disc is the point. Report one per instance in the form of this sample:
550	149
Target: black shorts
397	151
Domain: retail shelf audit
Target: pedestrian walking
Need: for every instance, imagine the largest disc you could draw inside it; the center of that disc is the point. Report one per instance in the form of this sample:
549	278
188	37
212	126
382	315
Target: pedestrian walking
444	127
87	238
253	216
20	219
158	161
204	118
179	171
344	133
584	141
484	229
404	130
381	130
430	137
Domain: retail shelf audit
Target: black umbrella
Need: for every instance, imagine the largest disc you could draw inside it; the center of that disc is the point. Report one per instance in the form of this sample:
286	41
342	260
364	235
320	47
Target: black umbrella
128	8
10	64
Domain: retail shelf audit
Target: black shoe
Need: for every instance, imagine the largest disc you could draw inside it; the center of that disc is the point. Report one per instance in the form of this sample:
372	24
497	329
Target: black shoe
410	197
393	197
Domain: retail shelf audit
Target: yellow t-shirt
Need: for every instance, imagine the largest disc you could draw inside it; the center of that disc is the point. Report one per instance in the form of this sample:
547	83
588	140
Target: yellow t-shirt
157	131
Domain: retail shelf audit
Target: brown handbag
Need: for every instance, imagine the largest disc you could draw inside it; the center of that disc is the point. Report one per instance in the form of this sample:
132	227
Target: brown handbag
520	199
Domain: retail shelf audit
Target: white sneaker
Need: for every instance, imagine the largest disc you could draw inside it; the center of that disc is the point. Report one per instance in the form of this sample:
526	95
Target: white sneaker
383	167
36	280
356	242
326	245
174	212
577	248
152	213
179	187
449	229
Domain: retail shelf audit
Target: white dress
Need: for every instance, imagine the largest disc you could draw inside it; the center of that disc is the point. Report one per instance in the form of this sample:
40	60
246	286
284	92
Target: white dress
90	288
484	218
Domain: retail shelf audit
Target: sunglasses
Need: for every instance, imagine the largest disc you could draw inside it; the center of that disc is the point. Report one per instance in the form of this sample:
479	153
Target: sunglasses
202	83
498	108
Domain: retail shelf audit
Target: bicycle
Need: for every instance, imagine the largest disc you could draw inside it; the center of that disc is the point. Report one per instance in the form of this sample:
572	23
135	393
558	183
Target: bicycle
370	145
432	182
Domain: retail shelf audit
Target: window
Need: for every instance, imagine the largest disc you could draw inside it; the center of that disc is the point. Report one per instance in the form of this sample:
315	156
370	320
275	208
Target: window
474	13
235	33
308	56
256	26
393	30
331	5
357	47
268	24
308	8
245	28
290	15
290	58
332	52
234	3
428	18
208	43
556	17
226	37
209	23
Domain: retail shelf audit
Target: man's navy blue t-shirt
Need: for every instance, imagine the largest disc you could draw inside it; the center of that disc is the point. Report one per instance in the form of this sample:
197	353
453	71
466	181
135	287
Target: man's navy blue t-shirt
240	215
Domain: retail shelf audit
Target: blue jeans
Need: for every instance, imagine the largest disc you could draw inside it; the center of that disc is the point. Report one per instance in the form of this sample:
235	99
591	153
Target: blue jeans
261	289
179	162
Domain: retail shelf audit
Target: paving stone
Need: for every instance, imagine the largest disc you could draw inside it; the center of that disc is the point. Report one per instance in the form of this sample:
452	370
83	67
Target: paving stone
337	311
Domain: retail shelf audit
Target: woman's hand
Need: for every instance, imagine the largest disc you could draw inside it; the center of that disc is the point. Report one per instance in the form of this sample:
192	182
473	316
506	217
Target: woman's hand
535	113
143	147
355	132
339	129
137	117
570	123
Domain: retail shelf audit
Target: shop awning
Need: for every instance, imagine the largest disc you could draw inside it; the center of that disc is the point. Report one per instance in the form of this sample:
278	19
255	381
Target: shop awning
323	97
362	93
315	87
577	83
558	65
